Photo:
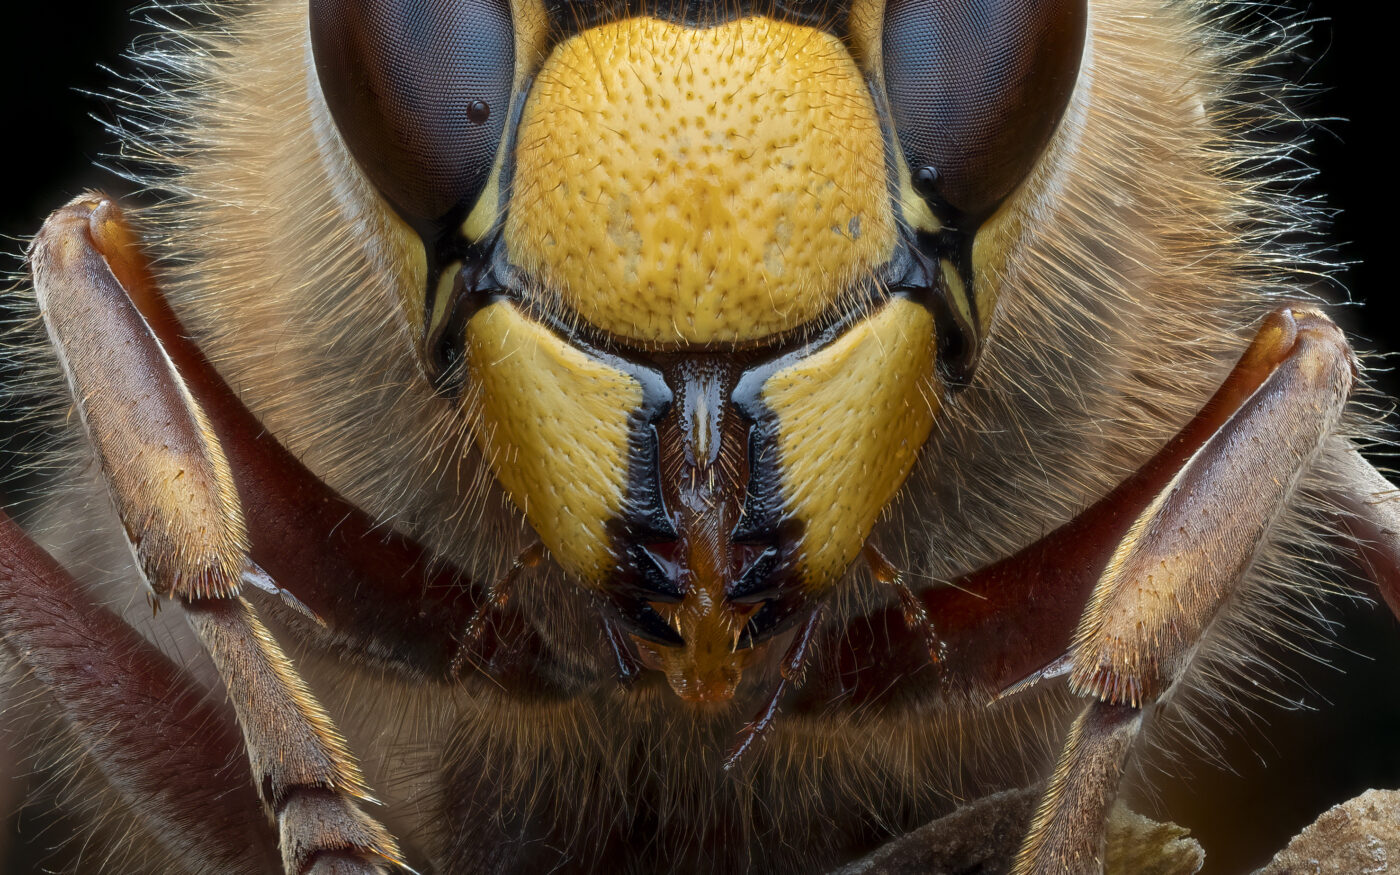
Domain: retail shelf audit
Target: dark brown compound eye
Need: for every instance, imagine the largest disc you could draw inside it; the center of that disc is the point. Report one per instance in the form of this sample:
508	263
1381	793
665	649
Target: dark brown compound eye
419	90
976	89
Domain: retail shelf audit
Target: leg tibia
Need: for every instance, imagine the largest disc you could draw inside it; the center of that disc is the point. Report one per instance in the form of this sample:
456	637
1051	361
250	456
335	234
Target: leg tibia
164	469
1183	557
174	492
1178	564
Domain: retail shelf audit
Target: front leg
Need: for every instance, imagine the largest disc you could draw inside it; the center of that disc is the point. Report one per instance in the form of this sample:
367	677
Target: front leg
175	495
1175	569
384	598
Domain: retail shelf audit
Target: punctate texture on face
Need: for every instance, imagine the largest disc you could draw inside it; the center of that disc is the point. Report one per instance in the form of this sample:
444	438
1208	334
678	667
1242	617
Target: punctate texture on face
696	186
555	425
850	420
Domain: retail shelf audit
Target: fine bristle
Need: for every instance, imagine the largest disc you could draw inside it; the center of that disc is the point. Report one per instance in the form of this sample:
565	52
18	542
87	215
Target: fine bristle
1128	274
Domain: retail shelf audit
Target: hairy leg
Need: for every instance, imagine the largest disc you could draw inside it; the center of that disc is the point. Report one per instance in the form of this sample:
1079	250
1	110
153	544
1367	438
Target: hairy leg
1013	624
174	492
1178	564
383	597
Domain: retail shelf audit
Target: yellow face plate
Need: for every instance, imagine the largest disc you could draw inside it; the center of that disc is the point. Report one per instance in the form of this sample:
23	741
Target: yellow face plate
850	420
685	186
555	424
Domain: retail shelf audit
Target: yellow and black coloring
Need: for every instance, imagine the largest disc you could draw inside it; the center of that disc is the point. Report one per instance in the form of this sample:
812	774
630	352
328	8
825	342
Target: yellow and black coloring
920	381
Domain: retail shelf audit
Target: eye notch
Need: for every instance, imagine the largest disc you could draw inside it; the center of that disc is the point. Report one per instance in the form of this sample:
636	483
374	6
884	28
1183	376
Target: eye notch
976	89
419	90
464	285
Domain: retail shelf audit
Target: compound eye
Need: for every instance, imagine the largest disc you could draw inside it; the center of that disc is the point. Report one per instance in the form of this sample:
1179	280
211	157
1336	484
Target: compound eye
419	90
976	89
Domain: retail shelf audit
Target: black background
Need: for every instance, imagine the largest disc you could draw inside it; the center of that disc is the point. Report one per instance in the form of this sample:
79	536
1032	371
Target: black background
1348	736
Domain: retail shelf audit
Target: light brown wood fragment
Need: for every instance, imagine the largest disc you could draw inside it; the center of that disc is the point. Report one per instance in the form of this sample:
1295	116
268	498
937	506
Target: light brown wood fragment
983	836
1357	837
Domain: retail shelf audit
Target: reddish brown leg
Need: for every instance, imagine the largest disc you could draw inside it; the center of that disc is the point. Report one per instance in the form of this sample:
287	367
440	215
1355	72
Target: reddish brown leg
493	605
1177	565
174	492
175	758
916	618
1002	625
383	597
1154	560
